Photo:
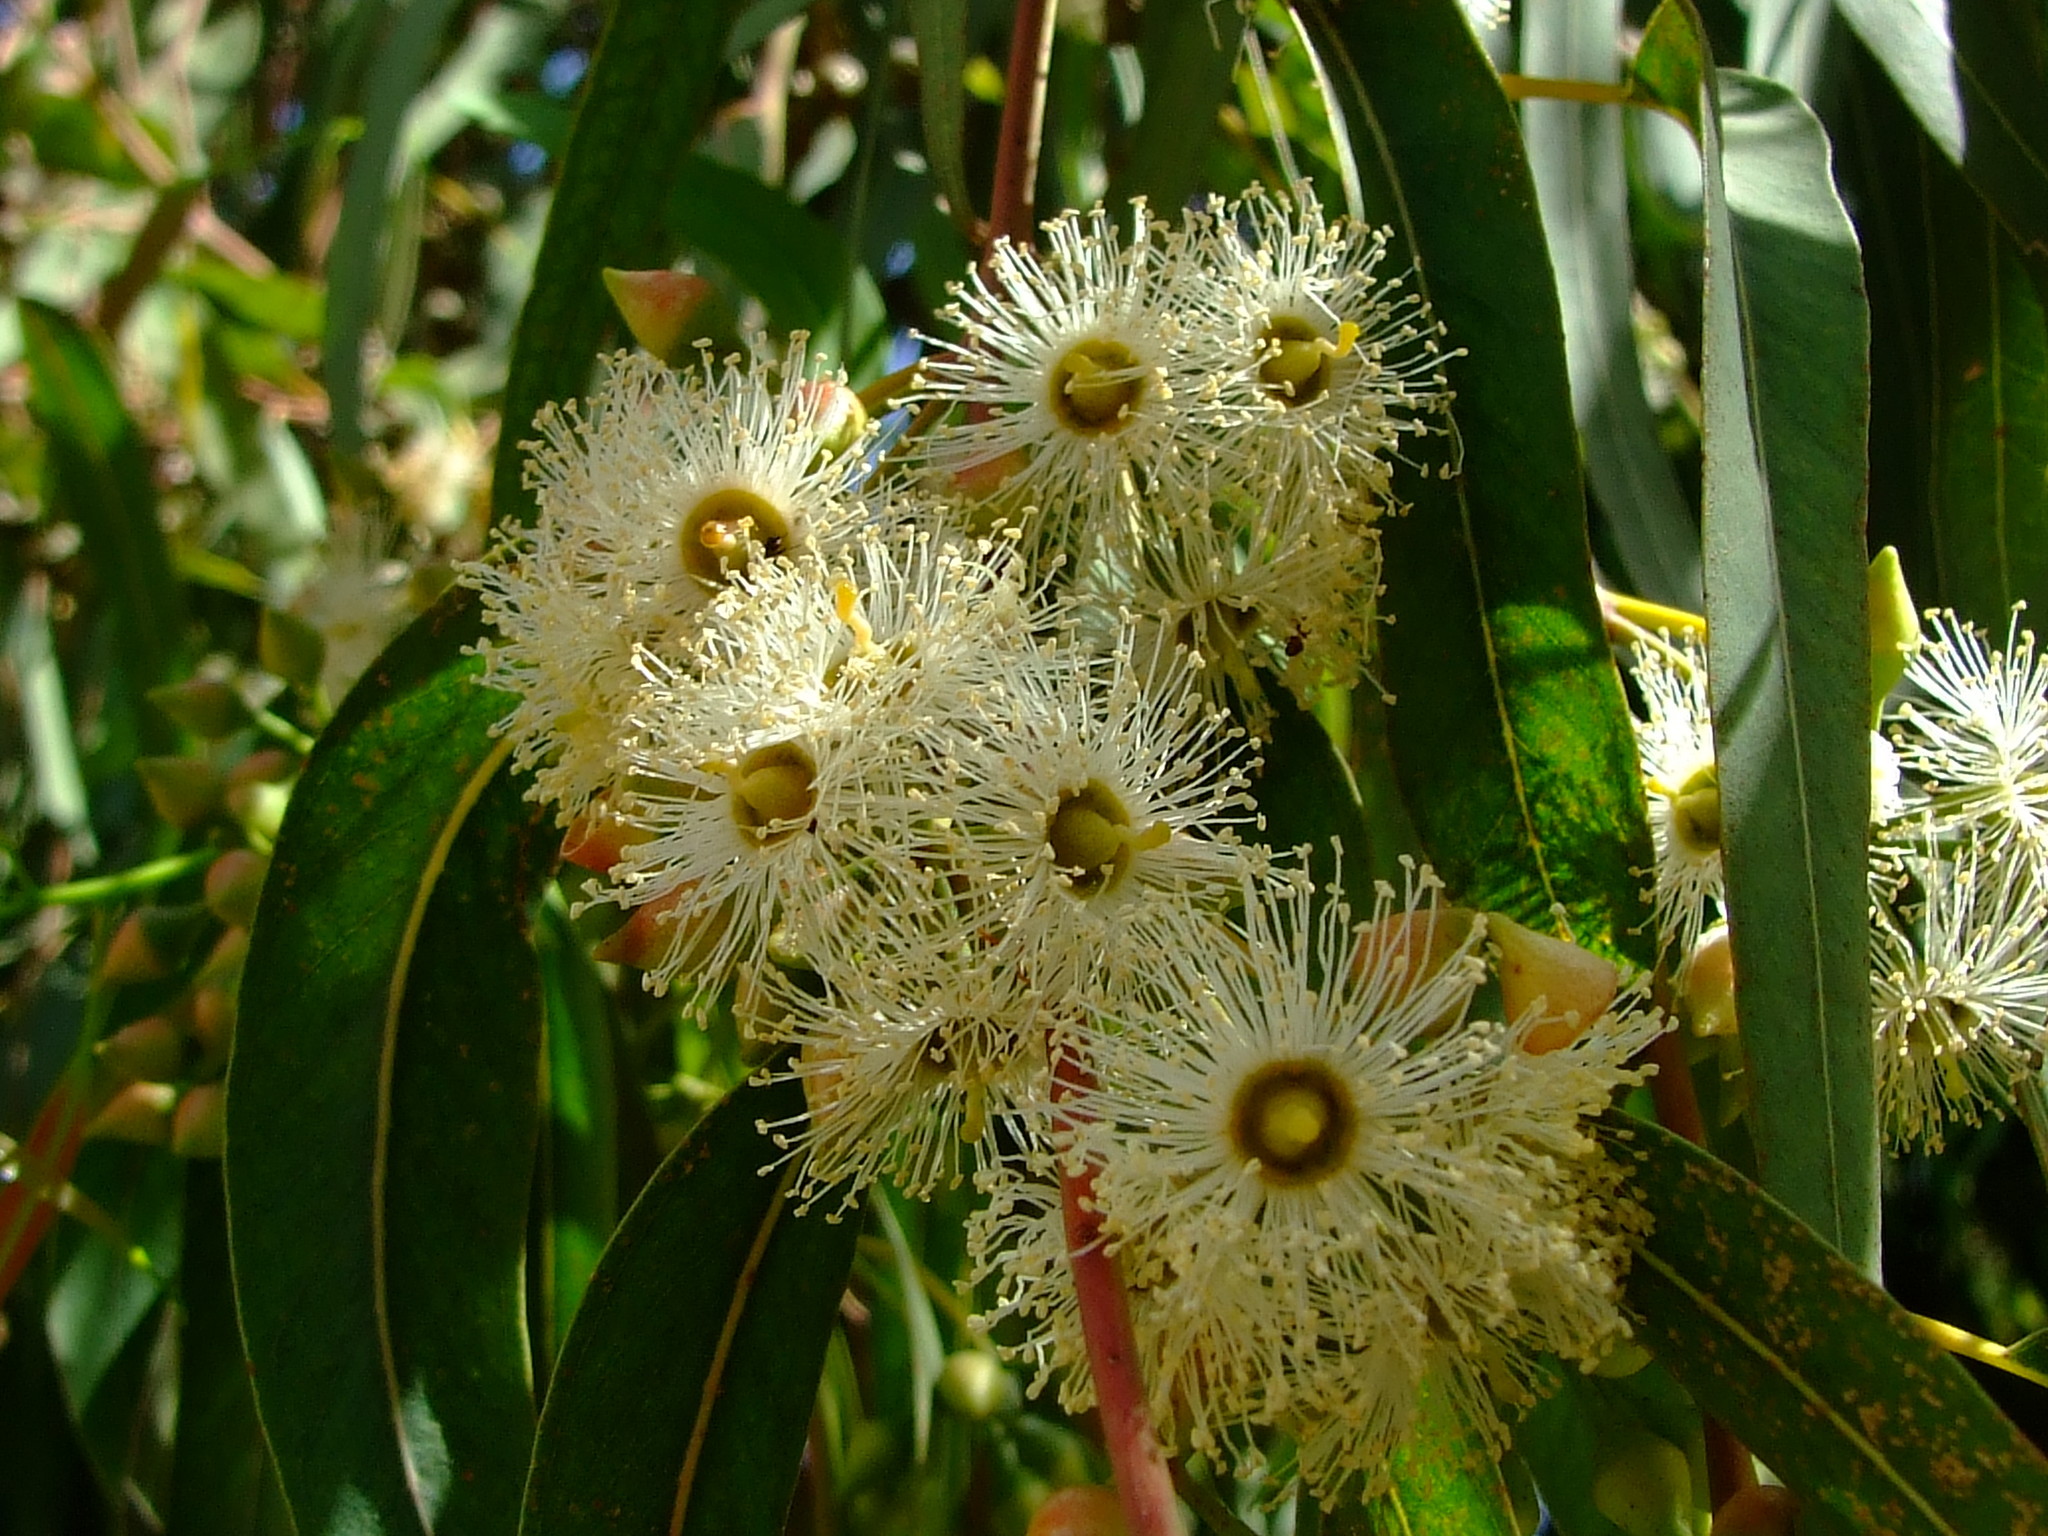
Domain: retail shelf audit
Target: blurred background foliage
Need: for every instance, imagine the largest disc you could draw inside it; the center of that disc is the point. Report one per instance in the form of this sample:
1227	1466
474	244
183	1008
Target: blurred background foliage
261	266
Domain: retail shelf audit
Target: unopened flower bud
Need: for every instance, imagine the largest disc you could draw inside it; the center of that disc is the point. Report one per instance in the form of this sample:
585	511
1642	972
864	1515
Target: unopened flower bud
213	1028
140	1112
656	305
975	1385
199	1125
1709	993
1645	1487
184	790
259	809
1894	627
839	418
597	838
234	883
1567	987
290	648
148	1049
1079	1512
1764	1510
150	944
205	706
269	765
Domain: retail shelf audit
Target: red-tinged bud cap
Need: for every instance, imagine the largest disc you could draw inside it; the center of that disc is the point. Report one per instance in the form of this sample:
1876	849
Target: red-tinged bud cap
271	765
839	417
140	1112
1573	986
234	883
597	838
184	790
199	1125
1764	1510
213	1027
150	1049
977	481
656	306
1079	1512
150	944
205	706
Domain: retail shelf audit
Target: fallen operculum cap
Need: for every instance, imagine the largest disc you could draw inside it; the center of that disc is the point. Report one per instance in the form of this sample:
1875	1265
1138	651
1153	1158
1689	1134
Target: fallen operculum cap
1558	986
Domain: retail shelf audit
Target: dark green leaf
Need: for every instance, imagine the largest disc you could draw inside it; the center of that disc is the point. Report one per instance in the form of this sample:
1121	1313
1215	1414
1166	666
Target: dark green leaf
1308	798
222	1482
683	1393
1786	384
649	89
578	1181
102	482
1186	51
1575	155
383	1112
1508	728
940	28
1808	1363
1989	497
1975	73
355	267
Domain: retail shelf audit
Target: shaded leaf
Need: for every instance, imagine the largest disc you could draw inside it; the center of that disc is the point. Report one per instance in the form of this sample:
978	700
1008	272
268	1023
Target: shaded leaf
382	1111
1186	52
1806	1361
649	88
1785	380
940	28
682	1396
1975	73
1508	729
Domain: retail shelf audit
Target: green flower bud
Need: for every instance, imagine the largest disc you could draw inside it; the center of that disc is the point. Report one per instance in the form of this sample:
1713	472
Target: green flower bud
1645	1487
1894	627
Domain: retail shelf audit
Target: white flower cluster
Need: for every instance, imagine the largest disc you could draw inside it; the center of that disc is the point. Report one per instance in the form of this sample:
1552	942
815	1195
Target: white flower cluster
924	753
1958	863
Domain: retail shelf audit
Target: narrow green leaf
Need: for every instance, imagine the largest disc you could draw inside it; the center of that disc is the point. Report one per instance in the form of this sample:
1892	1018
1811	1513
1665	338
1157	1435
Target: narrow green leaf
940	28
1308	799
1988	502
684	1390
649	89
102	483
579	1153
222	1482
1975	73
1186	52
1575	156
1809	1363
1508	729
354	266
1785	380
927	1354
382	1111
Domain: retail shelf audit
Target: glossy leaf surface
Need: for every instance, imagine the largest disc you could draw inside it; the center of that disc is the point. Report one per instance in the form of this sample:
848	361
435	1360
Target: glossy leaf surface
382	1110
682	1394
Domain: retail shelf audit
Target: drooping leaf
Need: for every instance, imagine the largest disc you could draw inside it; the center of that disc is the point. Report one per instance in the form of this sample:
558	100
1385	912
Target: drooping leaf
1575	155
1785	380
382	1110
1508	729
102	483
649	88
1186	53
1810	1364
1975	73
682	1395
941	33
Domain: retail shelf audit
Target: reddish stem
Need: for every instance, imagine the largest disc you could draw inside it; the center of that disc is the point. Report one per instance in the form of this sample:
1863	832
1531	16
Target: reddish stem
1144	1484
1023	124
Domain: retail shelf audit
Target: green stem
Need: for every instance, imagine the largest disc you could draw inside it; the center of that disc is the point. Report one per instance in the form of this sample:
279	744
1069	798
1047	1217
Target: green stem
104	888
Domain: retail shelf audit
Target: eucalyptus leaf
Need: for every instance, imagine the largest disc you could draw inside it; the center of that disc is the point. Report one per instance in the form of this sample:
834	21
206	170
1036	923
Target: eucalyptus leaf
382	1107
683	1392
